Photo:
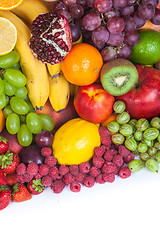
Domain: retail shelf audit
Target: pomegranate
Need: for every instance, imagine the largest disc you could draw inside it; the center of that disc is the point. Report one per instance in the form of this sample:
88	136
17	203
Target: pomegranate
51	38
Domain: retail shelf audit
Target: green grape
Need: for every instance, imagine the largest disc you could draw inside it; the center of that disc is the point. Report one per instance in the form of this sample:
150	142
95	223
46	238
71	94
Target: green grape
16	66
126	130
47	122
9	60
155	122
142	147
157	156
118	138
26	98
132	122
138	135
131	144
31	108
13	123
152	151
7	110
135	165
144	156
142	124
151	133
123	117
34	123
22	119
24	136
9	89
113	126
19	106
152	165
119	106
15	77
3	100
1	86
21	92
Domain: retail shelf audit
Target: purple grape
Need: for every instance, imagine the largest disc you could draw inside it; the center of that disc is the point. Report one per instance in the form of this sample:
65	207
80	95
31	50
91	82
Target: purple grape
146	11
130	25
156	19
44	138
138	21
153	2
83	3
91	21
115	39
115	25
90	3
65	13
76	10
131	2
69	2
120	3
124	51
127	10
76	33
132	38
108	53
112	13
60	6
103	6
100	35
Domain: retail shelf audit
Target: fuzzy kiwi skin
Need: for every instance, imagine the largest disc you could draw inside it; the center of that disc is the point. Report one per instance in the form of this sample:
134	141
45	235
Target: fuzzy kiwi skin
115	63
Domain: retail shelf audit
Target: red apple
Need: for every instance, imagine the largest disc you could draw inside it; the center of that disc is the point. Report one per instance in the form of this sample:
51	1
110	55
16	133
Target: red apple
93	103
143	100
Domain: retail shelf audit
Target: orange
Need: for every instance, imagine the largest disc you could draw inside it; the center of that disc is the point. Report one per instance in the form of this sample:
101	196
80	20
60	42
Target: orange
9	4
82	65
2	120
8	37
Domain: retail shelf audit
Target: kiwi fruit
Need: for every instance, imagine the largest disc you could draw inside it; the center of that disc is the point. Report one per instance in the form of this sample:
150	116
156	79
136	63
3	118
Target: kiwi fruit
118	76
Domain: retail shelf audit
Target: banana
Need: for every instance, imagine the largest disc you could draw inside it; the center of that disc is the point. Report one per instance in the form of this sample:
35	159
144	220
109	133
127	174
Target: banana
28	10
35	71
73	89
59	93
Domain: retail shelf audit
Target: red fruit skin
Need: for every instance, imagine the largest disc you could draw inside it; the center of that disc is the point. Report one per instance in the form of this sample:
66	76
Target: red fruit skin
3	180
11	179
143	100
3	145
93	103
20	193
32	189
5	198
12	167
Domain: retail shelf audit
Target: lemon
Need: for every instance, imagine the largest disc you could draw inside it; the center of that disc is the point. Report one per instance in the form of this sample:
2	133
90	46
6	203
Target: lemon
147	51
74	142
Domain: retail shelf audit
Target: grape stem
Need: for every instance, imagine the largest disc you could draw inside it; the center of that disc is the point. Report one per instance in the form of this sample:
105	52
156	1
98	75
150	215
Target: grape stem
103	19
2	71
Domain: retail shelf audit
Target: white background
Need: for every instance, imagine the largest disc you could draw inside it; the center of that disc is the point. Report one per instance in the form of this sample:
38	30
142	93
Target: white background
125	209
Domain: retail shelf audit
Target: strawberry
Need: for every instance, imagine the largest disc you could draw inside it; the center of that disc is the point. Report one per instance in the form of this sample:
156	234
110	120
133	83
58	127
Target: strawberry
11	179
35	186
5	197
9	161
4	145
20	193
2	178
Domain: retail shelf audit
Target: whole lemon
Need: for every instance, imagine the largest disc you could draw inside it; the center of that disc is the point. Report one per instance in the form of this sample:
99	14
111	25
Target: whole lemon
74	142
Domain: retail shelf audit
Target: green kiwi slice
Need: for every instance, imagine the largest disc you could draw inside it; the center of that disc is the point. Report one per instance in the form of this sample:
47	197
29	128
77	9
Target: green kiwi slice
118	76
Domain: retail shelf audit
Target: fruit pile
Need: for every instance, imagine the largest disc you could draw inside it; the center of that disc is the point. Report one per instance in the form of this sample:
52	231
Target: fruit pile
79	94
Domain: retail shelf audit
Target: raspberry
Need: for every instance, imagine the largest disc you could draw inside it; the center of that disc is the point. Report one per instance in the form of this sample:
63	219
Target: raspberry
108	155
108	167
27	177
103	132
99	151
21	169
75	187
47	181
20	178
117	170
43	169
110	177
124	172
106	140
58	186
74	170
89	181
80	177
99	179
68	178
37	176
63	169
32	168
98	161
94	171
53	172
129	158
123	151
50	161
46	151
84	167
118	160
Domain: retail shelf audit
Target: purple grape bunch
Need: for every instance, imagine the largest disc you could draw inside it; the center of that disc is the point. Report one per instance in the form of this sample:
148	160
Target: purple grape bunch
109	25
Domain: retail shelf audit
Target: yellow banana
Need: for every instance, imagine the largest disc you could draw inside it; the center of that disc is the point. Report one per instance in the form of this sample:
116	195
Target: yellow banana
73	89
28	10
59	93
35	71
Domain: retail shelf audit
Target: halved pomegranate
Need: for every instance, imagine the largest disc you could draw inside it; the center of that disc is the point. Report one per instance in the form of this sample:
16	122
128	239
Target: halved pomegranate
51	38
